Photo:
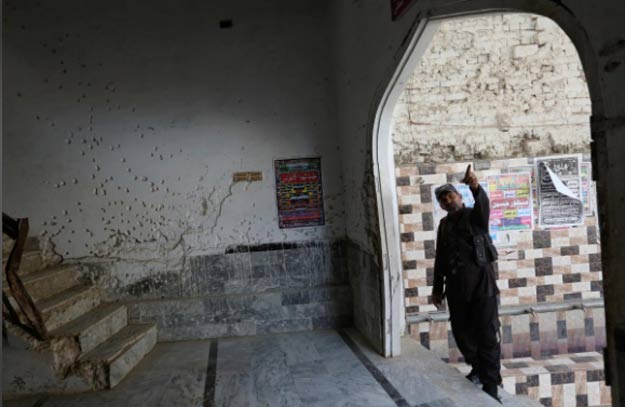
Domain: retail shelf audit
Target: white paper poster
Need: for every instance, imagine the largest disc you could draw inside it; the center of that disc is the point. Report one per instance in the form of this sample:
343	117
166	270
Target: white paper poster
558	180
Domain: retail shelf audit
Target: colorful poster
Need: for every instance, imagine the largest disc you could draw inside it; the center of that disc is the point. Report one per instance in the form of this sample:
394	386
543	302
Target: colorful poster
586	182
559	191
511	204
530	169
299	192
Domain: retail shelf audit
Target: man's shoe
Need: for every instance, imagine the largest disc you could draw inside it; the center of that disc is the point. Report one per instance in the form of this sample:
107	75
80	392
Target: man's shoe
473	377
491	390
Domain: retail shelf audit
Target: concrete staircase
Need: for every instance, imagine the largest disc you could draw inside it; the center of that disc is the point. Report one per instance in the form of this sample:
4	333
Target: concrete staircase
89	339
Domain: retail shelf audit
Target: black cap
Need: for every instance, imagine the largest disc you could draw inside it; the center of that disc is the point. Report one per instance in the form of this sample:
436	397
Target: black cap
444	189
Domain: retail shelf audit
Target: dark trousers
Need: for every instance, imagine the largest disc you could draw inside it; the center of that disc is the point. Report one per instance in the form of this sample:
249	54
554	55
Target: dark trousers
475	326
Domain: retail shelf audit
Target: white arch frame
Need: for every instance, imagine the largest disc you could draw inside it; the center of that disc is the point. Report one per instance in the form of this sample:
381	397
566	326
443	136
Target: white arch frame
384	169
394	321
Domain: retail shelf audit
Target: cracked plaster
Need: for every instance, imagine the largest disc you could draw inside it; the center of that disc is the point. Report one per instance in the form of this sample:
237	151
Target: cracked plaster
119	164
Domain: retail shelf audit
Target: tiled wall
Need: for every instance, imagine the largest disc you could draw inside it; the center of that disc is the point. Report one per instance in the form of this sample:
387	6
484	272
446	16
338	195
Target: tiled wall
545	265
364	279
252	290
244	315
534	335
560	381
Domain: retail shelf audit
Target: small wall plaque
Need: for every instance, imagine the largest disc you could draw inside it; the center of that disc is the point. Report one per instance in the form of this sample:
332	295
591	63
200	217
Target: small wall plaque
248	176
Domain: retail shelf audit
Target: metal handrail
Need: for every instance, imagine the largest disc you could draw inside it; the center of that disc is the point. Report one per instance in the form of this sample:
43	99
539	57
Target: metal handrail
31	320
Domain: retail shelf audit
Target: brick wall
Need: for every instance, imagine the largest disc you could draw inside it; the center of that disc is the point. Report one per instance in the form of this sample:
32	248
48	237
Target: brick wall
543	265
494	86
544	332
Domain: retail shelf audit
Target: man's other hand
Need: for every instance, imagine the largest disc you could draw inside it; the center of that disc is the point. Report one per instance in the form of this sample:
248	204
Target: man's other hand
437	300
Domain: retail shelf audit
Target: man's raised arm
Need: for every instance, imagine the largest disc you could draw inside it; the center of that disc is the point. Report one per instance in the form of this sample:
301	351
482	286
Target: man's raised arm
481	210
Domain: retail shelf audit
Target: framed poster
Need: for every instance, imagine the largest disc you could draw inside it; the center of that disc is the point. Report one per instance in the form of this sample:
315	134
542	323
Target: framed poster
558	183
299	192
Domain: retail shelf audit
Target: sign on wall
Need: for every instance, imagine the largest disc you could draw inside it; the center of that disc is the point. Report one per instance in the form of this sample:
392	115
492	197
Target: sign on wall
299	192
531	170
511	205
586	186
559	191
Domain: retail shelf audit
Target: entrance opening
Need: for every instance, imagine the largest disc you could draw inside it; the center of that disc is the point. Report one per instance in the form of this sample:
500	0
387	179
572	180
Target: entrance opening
506	93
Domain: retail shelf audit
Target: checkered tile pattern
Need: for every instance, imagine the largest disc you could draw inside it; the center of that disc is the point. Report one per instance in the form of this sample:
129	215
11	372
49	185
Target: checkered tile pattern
550	265
568	380
536	335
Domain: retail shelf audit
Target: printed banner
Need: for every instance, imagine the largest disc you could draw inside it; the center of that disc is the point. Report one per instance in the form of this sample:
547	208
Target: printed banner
511	206
530	169
299	192
559	191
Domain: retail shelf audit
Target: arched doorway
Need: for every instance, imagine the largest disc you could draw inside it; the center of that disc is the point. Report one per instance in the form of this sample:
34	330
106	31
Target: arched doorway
423	30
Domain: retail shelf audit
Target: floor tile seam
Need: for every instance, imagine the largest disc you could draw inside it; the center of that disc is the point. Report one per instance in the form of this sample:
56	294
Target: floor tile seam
211	375
388	387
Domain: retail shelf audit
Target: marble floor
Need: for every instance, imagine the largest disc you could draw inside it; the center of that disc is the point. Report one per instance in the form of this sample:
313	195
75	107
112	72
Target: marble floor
319	368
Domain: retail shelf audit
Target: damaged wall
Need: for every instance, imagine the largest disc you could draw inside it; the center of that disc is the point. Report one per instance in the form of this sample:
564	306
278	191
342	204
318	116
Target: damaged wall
494	86
124	125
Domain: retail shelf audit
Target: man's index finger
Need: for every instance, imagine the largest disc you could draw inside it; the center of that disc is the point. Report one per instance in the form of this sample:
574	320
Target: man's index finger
466	174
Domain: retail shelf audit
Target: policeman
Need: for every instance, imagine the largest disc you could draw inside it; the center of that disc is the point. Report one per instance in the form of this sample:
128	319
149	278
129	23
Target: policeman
464	267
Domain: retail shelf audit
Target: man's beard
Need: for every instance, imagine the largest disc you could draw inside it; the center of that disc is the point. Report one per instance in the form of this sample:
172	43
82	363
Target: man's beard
453	208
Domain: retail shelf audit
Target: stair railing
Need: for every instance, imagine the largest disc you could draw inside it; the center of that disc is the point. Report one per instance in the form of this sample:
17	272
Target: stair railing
32	320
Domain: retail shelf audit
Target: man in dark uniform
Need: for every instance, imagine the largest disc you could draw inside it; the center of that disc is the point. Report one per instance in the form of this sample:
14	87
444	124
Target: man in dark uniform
464	267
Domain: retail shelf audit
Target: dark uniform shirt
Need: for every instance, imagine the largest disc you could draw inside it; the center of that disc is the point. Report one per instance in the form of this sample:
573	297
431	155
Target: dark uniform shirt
456	265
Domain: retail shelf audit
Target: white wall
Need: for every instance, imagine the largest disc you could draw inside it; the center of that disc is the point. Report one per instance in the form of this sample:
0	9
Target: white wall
124	123
367	51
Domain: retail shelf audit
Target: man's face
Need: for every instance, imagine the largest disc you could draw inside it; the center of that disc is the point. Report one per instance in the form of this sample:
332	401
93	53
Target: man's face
450	201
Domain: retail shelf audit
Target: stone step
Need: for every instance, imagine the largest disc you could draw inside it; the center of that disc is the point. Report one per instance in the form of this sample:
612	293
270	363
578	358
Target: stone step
268	312
565	380
95	327
106	365
31	262
48	282
68	305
